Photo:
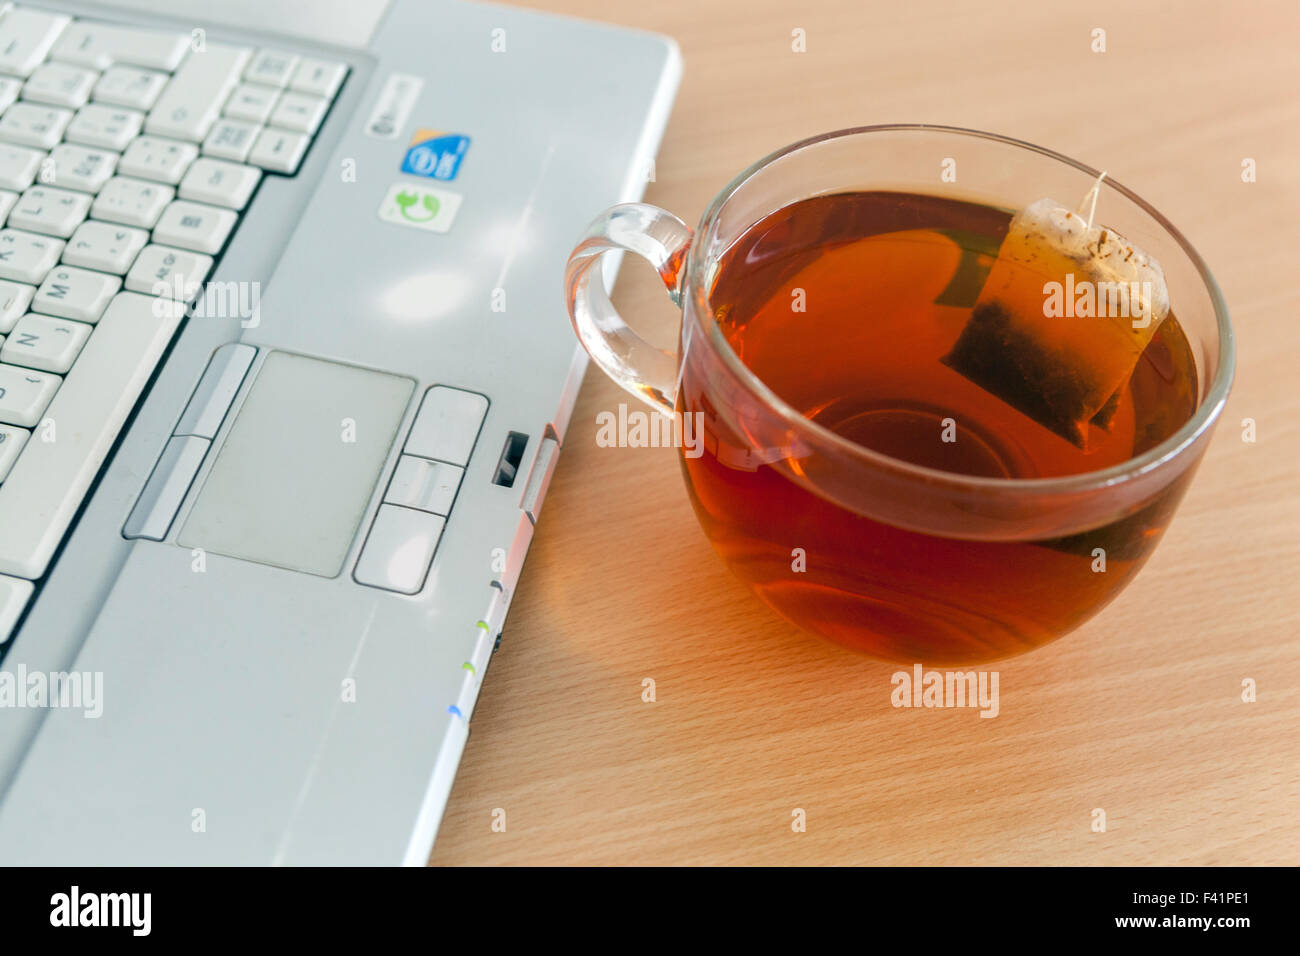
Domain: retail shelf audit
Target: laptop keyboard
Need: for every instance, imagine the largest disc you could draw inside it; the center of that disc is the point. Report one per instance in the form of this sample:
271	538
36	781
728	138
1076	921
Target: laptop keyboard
126	158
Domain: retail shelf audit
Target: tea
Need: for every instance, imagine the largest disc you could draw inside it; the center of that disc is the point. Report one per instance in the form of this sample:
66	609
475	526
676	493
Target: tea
850	308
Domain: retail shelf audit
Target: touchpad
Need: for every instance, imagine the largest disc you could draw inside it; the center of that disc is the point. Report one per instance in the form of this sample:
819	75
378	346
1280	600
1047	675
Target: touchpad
291	483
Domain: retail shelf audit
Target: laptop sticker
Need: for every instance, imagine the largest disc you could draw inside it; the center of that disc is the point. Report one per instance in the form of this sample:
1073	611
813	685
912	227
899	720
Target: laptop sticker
435	154
419	207
396	100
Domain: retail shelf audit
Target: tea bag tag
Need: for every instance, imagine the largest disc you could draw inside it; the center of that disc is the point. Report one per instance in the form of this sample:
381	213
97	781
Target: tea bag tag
1065	313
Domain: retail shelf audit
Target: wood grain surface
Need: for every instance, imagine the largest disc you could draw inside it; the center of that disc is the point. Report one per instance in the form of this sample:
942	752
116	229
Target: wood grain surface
1139	713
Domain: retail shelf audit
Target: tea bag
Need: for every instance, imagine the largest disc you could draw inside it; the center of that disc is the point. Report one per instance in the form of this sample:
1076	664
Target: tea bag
1064	315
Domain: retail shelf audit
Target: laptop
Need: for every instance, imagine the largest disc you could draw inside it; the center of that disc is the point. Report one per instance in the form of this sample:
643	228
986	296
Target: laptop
285	374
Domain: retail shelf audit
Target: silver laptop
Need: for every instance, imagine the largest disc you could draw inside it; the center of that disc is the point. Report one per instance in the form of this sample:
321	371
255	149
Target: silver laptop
284	375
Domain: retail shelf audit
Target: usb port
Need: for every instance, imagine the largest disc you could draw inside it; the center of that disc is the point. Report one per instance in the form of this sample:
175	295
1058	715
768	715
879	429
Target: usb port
512	454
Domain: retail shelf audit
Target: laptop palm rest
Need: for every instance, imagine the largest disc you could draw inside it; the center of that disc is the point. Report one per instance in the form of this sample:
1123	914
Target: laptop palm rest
291	483
238	698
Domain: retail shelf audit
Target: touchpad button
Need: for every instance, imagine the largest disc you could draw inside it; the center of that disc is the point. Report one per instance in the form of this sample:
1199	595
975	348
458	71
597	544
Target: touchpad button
291	483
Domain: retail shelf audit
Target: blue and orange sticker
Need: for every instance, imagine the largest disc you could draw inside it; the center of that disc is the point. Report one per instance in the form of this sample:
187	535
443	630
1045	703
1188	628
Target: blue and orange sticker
435	154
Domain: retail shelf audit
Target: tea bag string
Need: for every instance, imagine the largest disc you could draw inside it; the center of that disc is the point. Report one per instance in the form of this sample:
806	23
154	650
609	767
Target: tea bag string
1090	200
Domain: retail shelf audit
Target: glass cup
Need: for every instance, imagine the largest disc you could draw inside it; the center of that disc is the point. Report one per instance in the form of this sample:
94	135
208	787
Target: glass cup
903	562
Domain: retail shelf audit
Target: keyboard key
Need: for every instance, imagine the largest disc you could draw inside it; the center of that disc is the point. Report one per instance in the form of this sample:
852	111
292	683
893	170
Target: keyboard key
111	127
278	150
132	202
318	77
30	124
447	425
26	36
194	226
11	443
130	86
193	99
26	257
9	91
251	103
100	45
14	595
170	273
271	67
15	297
231	139
60	85
45	344
47	209
299	112
152	157
18	166
220	183
104	246
24	396
7	201
82	168
399	549
73	293
46	486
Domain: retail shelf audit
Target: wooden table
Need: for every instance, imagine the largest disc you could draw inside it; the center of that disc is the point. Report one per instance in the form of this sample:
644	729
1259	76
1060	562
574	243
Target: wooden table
1139	713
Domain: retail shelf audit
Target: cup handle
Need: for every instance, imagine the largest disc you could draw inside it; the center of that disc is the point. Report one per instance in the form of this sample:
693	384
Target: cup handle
647	372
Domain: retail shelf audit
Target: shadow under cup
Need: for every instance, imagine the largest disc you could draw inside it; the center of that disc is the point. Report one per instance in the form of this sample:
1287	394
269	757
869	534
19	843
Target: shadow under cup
901	561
